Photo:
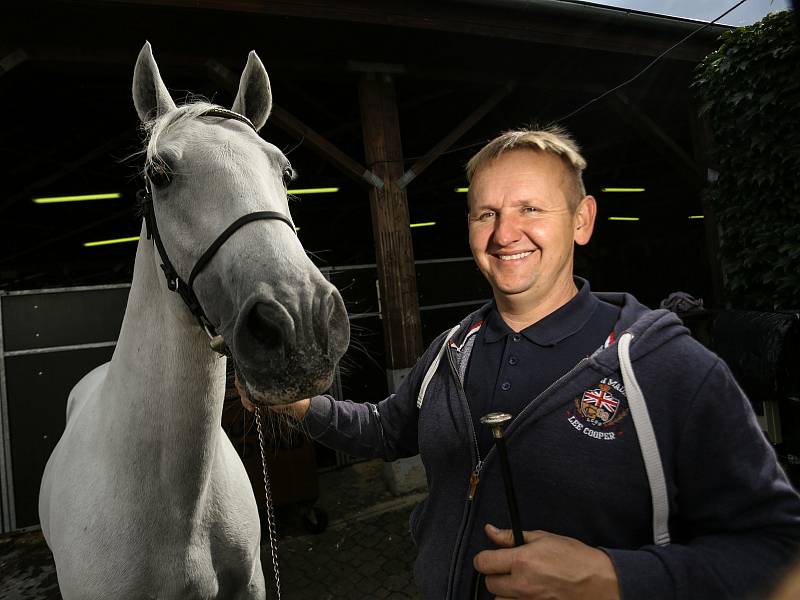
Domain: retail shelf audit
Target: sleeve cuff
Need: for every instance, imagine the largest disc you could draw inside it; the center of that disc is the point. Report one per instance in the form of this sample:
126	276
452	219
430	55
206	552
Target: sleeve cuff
641	574
318	417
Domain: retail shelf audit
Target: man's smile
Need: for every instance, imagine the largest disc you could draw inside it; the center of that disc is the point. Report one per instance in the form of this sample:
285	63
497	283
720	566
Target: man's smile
513	257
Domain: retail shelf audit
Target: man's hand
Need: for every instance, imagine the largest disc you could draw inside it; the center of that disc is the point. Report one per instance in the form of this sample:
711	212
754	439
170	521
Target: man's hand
546	566
296	410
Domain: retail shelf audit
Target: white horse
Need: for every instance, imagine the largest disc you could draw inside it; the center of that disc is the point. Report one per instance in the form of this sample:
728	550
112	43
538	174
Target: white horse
144	495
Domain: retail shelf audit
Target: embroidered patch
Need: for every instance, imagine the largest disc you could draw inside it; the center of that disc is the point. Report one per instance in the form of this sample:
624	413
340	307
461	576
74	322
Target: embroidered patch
599	411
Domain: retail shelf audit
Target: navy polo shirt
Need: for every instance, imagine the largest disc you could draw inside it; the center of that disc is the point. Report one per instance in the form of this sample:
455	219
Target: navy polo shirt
507	370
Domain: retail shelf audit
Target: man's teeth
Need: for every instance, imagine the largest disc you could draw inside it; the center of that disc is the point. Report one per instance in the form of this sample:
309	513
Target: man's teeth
514	256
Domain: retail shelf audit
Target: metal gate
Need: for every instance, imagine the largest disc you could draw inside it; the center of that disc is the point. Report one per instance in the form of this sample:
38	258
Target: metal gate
48	340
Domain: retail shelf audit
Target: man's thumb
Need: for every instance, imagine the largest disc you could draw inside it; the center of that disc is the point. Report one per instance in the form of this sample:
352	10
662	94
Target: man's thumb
501	537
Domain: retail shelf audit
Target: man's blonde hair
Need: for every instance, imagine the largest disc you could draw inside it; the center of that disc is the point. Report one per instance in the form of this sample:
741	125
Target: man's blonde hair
553	140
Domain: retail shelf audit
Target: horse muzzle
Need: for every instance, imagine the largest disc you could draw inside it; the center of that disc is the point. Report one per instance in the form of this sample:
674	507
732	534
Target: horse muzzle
287	349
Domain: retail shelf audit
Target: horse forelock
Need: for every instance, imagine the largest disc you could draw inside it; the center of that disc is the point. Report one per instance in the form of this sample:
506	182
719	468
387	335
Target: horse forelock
155	128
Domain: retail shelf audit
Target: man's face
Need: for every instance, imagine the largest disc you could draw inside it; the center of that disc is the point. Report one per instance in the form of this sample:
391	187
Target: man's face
521	228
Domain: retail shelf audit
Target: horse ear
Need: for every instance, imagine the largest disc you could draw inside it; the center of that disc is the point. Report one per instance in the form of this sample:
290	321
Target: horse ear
254	98
150	95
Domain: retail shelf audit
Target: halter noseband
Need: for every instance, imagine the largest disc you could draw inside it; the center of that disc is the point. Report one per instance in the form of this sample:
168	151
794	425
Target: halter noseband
174	281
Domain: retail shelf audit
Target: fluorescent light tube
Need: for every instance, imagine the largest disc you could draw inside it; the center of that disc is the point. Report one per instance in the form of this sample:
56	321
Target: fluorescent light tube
114	241
302	191
56	199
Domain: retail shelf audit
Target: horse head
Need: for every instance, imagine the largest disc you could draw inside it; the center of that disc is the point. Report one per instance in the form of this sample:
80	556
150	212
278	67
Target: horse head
217	192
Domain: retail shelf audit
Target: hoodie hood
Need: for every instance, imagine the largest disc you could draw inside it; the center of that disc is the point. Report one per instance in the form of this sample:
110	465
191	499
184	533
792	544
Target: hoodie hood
650	328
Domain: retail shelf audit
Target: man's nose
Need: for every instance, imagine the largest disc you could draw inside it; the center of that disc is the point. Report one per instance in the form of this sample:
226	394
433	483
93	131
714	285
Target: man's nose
506	230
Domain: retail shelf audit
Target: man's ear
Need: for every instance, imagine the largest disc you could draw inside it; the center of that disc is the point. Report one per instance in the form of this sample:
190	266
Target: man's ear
583	220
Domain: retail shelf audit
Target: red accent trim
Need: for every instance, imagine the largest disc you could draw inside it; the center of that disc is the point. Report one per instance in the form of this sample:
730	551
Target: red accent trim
474	327
610	339
470	332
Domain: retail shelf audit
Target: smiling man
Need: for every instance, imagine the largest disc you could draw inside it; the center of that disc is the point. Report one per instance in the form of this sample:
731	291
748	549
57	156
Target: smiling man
639	467
526	212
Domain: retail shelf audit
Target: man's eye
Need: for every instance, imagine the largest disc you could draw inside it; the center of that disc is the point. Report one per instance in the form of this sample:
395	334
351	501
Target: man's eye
485	216
530	210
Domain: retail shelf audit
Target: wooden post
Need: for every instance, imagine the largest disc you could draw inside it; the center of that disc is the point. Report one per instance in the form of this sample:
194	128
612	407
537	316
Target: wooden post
394	252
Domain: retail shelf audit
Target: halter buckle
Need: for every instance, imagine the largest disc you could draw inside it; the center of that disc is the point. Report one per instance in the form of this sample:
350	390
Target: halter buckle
172	282
215	340
217	344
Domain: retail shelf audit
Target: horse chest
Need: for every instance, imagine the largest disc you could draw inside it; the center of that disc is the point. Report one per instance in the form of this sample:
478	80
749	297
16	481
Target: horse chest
161	564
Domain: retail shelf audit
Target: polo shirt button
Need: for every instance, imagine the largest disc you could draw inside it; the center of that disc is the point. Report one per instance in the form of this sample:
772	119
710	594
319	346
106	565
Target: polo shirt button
513	360
506	386
516	337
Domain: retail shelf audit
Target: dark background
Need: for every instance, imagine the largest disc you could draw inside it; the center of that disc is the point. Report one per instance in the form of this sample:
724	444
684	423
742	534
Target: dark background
70	126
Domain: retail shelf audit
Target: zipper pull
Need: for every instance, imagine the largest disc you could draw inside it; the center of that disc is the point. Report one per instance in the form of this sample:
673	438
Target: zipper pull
474	478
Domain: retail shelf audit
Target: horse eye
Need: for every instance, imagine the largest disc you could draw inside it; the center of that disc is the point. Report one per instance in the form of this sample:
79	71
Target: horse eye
159	174
288	175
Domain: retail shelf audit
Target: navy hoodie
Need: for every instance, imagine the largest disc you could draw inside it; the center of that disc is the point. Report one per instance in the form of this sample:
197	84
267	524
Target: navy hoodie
734	517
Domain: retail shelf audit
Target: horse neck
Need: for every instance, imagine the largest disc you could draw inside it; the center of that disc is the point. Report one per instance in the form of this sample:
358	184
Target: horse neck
165	386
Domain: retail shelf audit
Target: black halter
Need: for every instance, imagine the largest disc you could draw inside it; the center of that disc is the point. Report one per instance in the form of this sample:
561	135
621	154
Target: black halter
174	281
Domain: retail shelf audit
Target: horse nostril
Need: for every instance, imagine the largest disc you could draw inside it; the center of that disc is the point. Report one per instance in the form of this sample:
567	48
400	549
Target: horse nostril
264	328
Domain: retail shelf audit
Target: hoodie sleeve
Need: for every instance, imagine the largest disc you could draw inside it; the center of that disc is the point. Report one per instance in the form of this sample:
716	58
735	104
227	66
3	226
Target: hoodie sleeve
386	430
737	523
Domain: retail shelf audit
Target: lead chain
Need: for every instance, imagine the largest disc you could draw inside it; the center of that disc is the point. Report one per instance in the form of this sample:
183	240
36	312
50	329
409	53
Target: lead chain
273	537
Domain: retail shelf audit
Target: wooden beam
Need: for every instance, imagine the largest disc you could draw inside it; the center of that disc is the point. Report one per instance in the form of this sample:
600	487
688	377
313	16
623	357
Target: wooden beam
286	121
444	144
294	126
559	24
394	252
659	138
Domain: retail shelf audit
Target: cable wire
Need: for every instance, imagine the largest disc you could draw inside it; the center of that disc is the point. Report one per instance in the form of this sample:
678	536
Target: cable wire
651	63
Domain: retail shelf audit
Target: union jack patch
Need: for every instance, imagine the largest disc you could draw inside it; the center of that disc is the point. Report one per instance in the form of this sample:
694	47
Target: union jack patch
598	410
598	406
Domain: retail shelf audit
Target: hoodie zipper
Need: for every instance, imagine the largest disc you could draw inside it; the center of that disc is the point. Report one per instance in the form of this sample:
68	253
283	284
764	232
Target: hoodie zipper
474	477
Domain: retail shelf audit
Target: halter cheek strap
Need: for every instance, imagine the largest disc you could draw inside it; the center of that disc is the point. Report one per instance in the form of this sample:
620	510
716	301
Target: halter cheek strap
174	281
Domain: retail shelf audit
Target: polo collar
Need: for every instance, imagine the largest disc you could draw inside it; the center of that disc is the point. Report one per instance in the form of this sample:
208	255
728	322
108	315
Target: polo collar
555	327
